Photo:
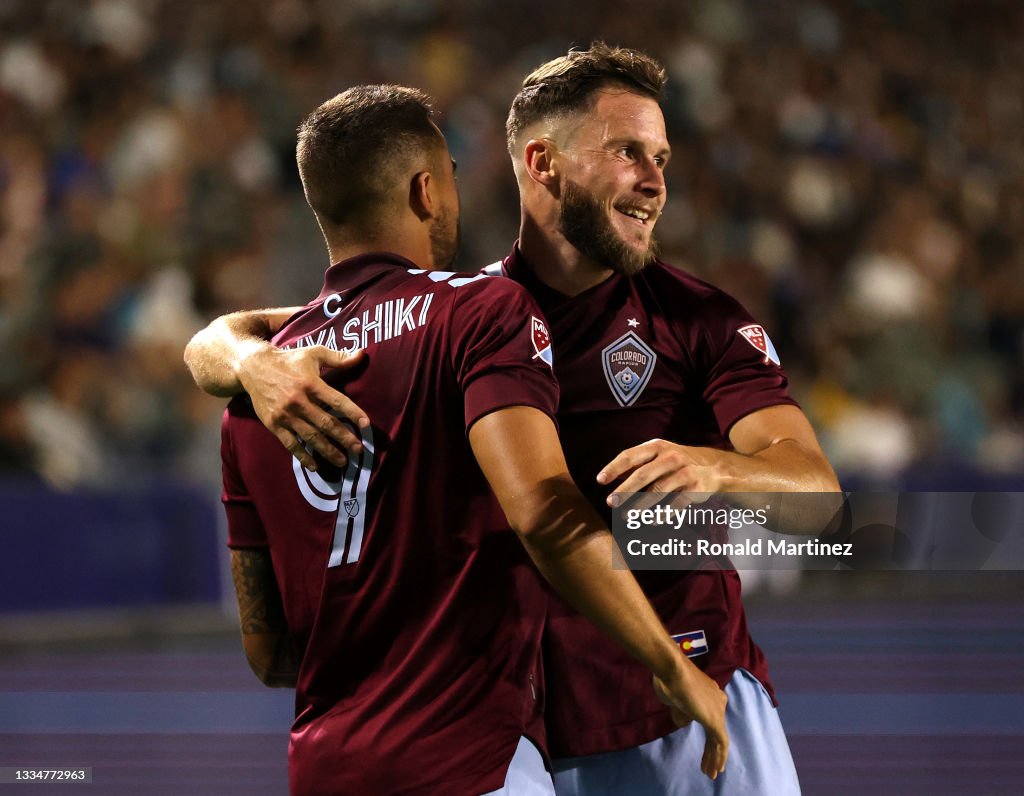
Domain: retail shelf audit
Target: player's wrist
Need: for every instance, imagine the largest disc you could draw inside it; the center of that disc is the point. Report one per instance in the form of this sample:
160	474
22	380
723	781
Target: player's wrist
250	355
670	665
728	472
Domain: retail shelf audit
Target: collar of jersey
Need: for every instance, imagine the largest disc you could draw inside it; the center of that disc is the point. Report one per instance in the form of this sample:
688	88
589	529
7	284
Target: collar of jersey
519	269
358	268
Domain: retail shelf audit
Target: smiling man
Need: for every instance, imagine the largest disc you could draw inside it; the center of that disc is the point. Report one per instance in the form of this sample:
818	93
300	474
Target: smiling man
666	384
591	184
646	353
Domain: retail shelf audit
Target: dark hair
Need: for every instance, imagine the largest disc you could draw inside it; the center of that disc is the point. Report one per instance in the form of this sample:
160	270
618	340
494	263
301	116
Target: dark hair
354	146
569	83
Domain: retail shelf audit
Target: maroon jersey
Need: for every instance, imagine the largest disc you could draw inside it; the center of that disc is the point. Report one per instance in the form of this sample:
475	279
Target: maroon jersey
418	608
660	355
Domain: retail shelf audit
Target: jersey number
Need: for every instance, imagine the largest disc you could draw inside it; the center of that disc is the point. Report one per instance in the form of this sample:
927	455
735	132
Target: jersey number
346	498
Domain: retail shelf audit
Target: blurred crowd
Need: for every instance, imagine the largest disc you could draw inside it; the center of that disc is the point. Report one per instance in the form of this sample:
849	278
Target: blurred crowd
852	170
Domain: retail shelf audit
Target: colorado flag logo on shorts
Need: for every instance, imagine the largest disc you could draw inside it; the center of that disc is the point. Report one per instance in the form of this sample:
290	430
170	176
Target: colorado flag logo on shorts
693	643
541	340
758	337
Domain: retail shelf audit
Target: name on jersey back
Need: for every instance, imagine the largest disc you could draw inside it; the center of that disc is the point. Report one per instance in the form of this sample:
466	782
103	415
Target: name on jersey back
384	321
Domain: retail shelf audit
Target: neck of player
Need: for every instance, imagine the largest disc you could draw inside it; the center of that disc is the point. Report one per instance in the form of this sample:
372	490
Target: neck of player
555	261
408	240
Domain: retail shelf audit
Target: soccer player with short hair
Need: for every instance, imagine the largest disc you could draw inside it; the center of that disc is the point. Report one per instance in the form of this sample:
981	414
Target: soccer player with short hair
646	353
392	592
666	384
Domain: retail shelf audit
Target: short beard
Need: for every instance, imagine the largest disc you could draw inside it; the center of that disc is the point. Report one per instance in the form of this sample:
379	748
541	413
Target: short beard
445	237
586	226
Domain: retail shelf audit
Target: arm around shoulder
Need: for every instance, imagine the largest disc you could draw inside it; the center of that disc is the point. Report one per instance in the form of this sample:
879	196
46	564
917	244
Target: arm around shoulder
234	354
215	354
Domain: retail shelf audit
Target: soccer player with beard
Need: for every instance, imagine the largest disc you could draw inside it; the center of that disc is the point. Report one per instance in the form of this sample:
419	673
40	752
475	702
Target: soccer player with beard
666	384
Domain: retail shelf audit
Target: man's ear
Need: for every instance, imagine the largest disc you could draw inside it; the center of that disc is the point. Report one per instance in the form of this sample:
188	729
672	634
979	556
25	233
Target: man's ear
541	160
421	198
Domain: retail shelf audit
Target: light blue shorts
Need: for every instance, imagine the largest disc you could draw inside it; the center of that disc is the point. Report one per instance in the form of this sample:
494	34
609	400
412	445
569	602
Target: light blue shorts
526	774
759	763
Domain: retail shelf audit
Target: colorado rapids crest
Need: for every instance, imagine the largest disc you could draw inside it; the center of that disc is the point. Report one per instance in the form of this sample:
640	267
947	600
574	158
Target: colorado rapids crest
628	365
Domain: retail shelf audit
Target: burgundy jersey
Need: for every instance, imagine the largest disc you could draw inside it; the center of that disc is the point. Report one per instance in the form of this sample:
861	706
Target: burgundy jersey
660	355
418	608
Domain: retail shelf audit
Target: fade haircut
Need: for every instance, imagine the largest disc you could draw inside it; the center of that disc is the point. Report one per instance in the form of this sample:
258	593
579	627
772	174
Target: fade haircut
569	84
353	148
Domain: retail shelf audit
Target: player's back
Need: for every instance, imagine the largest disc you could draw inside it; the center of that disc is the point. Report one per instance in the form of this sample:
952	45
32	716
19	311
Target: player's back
419	610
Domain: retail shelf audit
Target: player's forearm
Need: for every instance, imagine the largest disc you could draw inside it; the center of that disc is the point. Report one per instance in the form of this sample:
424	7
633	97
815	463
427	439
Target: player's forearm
215	355
272	658
573	550
785	467
269	647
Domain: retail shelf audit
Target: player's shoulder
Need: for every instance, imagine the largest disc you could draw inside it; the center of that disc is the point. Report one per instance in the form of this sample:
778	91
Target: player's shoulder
479	286
690	296
489	289
479	298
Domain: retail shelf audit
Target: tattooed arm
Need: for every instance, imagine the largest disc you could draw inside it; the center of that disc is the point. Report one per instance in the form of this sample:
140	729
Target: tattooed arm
268	646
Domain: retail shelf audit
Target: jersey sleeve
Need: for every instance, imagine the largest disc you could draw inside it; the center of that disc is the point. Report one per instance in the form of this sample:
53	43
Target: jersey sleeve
245	529
744	370
501	350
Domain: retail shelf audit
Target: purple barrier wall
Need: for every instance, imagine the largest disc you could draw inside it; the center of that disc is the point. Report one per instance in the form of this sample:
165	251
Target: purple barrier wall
149	546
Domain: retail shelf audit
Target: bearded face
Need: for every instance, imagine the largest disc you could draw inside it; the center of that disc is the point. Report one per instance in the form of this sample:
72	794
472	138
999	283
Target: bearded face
587	224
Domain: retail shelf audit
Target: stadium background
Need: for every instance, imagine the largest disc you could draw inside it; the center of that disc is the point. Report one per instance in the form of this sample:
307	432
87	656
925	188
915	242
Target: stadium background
852	170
